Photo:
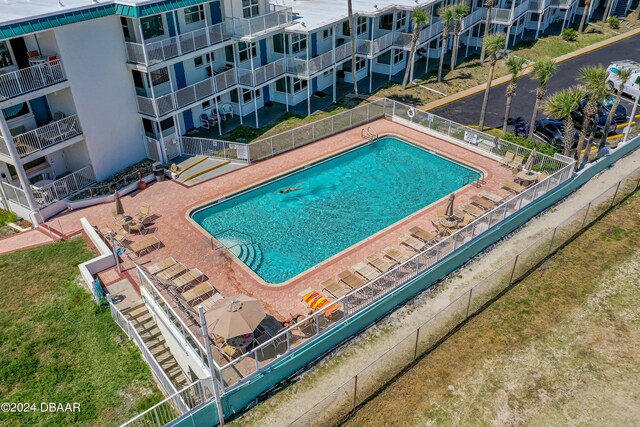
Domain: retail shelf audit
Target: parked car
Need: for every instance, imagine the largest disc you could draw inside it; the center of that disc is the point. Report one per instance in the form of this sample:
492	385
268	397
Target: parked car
551	131
621	114
632	87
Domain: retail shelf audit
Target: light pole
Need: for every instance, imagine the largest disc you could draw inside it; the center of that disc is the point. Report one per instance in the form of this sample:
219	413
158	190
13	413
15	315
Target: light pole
115	251
633	115
214	378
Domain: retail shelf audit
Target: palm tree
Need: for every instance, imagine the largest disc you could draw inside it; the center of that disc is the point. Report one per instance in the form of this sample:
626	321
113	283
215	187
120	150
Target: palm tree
446	15
560	105
420	19
492	45
543	70
460	11
488	4
353	46
624	76
515	64
585	12
594	79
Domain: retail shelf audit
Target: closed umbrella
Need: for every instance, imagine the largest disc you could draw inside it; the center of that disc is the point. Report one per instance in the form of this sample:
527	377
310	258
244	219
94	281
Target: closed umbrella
119	207
530	161
448	212
234	316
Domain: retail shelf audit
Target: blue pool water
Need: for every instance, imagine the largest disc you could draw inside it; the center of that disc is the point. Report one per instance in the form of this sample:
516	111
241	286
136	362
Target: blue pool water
340	202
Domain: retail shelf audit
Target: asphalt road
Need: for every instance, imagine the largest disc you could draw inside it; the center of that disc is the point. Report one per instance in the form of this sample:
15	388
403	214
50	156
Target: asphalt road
467	110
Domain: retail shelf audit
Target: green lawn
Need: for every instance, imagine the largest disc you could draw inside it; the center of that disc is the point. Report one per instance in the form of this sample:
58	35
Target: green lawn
7	216
56	345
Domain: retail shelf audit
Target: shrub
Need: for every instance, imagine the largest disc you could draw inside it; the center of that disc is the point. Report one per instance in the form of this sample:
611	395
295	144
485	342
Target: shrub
532	144
614	22
569	35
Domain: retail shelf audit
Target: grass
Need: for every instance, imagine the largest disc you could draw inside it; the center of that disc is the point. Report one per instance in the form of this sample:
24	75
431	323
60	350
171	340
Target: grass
6	217
557	348
56	345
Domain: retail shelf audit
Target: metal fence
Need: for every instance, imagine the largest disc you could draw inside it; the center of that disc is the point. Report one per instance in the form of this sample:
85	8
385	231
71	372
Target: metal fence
251	27
47	135
32	78
14	194
214	148
64	187
358	388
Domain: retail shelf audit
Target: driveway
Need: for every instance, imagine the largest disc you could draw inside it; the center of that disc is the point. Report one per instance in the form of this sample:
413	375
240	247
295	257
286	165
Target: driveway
467	110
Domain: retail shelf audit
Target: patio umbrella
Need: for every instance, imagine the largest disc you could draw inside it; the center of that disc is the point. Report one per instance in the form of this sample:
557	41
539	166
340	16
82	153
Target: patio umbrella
530	161
119	207
234	316
448	212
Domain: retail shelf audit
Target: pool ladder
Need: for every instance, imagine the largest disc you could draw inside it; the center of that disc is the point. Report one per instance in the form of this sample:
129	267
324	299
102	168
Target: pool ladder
368	134
471	179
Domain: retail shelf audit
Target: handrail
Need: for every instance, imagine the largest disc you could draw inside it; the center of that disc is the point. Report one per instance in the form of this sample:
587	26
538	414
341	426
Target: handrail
251	27
64	187
25	80
47	135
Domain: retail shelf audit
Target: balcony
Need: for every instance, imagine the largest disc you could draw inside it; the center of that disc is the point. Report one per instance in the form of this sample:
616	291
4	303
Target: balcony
45	136
64	187
247	29
403	40
505	16
562	4
262	74
30	79
375	46
163	50
307	68
161	105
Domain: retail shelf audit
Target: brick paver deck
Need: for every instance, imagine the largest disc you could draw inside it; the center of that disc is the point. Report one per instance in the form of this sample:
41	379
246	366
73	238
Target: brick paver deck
172	202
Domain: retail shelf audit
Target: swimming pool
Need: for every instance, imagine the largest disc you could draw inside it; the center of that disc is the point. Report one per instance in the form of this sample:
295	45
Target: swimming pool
338	203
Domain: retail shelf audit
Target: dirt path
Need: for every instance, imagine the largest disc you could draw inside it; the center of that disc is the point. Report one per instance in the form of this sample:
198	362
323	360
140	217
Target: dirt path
291	403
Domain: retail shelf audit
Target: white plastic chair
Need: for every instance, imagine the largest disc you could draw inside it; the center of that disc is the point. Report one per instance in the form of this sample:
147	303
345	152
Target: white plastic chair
226	109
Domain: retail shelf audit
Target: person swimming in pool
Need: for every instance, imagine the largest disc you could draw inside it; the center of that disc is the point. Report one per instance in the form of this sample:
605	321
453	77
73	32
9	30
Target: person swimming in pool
290	189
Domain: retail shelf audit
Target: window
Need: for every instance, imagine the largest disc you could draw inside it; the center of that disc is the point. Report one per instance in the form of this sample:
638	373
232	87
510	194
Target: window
250	8
299	84
298	42
360	64
398	56
194	14
278	43
16	111
361	25
166	124
243	50
385	58
327	33
345	28
386	22
152	27
159	76
247	95
201	60
5	55
206	104
125	32
401	19
281	85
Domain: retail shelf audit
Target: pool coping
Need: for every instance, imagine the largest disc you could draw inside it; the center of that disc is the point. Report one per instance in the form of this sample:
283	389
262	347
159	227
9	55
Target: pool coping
293	280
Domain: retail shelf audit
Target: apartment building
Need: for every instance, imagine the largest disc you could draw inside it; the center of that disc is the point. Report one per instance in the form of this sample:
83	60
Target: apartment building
88	88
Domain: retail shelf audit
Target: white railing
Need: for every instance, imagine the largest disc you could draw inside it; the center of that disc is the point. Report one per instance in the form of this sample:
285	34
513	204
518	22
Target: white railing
174	406
538	5
403	40
131	331
473	18
29	79
188	95
172	47
15	194
47	135
262	74
373	47
343	51
294	338
520	9
214	148
252	27
501	15
562	4
64	187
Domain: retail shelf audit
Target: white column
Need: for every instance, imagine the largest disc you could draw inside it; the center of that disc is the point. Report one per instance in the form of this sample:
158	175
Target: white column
240	100
309	82
539	23
215	101
255	106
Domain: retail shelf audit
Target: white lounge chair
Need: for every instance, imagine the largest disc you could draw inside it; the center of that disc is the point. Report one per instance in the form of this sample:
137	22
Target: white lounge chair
226	109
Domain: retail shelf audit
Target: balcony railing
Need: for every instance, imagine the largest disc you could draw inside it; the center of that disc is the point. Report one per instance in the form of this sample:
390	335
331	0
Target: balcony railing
302	67
46	136
64	187
163	50
27	80
372	47
183	97
252	27
262	74
403	40
562	4
501	16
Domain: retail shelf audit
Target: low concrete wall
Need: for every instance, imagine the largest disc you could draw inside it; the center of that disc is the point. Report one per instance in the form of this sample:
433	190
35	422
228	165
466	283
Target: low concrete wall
83	203
100	263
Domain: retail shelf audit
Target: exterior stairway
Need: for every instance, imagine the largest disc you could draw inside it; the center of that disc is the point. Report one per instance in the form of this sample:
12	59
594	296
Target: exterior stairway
150	333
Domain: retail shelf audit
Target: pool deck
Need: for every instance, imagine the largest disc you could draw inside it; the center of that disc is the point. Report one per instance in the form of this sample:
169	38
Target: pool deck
171	203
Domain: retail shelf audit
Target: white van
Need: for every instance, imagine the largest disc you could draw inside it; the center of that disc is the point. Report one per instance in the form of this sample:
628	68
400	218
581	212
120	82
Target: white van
632	87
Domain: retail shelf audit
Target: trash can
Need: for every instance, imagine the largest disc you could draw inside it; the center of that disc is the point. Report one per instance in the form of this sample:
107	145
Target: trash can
158	171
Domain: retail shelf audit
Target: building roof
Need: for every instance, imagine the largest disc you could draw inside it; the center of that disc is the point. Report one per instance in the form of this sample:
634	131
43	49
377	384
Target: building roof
319	13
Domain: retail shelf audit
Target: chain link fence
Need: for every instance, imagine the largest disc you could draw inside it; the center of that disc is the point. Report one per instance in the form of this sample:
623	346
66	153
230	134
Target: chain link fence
361	386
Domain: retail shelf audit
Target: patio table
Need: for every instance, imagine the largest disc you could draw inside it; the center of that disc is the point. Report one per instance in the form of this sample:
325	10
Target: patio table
527	177
241	341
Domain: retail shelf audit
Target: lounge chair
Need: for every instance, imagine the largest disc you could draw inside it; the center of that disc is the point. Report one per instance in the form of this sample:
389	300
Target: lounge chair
413	243
187	278
472	210
316	301
161	265
508	158
517	162
365	271
495	198
423	234
542	176
135	227
513	187
117	218
118	238
351	280
334	289
395	255
482	202
143	213
379	264
206	122
466	220
211	300
440	212
144	246
171	272
198	292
